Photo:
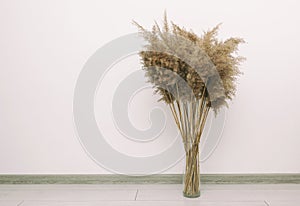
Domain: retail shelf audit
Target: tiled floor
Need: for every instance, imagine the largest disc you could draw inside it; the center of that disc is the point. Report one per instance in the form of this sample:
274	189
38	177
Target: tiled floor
148	195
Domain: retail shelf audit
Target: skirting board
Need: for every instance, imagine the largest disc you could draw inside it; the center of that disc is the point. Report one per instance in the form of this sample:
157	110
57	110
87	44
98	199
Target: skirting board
151	179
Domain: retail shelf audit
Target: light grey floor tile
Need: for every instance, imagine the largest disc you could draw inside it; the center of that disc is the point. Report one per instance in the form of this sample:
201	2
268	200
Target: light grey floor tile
148	195
67	186
251	187
70	195
3	193
283	203
141	203
9	203
222	195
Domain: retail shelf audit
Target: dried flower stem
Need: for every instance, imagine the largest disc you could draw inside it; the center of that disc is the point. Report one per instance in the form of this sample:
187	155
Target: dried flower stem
190	118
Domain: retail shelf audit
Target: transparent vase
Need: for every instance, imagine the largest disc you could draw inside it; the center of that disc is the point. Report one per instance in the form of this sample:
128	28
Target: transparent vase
191	176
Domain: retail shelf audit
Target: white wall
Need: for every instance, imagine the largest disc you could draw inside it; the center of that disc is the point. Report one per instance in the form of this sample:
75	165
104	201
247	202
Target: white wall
44	45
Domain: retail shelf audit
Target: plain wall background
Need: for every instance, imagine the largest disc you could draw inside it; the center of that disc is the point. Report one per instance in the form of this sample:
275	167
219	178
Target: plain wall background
44	45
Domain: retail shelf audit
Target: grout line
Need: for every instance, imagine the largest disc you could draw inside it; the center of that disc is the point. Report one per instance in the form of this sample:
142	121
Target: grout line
136	194
20	203
266	203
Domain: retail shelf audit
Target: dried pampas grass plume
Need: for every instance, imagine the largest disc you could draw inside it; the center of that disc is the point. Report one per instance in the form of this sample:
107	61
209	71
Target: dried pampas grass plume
196	59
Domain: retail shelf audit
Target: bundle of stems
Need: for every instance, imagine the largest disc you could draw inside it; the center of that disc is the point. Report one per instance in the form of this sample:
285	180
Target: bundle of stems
193	75
190	118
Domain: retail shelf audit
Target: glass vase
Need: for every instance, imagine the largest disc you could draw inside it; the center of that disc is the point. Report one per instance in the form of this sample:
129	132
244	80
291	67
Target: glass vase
191	176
